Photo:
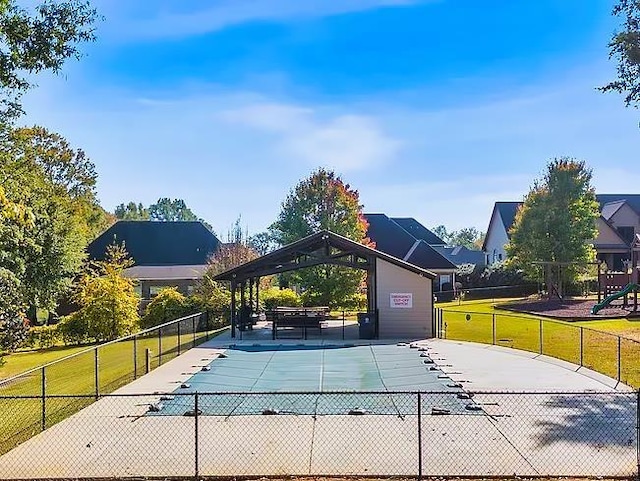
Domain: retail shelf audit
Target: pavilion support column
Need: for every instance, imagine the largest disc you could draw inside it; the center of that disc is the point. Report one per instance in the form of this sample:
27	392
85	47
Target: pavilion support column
233	309
243	305
251	295
257	294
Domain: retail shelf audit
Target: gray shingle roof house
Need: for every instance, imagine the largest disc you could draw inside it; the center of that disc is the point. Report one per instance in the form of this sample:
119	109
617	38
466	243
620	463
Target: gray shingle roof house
391	238
618	224
165	253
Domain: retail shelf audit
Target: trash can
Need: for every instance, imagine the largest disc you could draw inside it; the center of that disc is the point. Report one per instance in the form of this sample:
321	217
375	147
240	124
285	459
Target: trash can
367	325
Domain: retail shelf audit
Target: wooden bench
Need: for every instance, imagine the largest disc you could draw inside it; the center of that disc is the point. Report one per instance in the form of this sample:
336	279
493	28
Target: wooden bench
303	318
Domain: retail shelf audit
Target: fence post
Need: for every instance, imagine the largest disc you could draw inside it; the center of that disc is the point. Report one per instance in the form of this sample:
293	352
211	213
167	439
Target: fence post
581	344
196	415
193	329
96	367
541	336
493	327
619	354
135	357
206	325
159	347
43	424
147	356
343	325
419	436
179	341
638	431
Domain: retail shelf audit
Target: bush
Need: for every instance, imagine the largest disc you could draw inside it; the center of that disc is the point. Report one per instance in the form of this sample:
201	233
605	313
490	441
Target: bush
168	305
356	302
43	337
73	329
274	297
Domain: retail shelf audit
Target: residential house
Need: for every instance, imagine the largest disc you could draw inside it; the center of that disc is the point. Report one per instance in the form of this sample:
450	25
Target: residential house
392	238
617	225
166	254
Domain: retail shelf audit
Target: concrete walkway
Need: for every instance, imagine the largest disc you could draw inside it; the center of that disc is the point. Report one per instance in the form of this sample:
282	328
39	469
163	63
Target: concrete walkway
591	433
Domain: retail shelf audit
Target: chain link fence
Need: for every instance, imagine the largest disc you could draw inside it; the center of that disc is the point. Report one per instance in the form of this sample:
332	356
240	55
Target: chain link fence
413	434
55	391
615	356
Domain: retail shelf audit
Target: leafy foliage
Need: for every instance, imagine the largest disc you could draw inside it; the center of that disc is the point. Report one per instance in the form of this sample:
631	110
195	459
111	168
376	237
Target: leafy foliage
107	299
468	237
624	47
557	221
171	210
13	330
132	211
168	305
57	183
275	297
34	42
323	201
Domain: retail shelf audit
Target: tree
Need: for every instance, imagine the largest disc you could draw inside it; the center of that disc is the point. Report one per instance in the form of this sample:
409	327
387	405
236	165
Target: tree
39	169
216	296
13	330
32	42
171	210
323	201
132	211
556	223
467	237
262	243
441	231
107	299
624	47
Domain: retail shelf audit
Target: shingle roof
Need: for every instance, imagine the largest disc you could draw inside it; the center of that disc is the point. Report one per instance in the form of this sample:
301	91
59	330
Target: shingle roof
632	199
417	230
159	243
508	212
610	208
461	255
392	239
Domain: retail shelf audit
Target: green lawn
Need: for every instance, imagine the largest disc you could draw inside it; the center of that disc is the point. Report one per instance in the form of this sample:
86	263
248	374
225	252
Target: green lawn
593	344
22	418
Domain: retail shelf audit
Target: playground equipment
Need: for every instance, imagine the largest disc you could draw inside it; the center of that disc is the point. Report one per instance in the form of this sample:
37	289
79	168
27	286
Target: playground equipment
617	295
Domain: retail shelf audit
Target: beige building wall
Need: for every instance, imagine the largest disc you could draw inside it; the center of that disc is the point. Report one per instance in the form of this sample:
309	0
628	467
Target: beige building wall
403	323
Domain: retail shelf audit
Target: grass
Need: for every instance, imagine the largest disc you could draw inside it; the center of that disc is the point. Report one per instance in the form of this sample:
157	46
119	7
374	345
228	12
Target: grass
593	344
21	418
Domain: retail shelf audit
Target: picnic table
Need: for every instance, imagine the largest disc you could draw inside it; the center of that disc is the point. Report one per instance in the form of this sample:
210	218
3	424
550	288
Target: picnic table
303	318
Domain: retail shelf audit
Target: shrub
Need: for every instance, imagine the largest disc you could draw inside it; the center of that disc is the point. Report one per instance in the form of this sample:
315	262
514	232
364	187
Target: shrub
356	302
43	337
73	329
168	305
274	297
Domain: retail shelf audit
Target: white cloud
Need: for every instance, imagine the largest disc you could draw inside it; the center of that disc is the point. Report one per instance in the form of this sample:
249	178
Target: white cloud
179	19
344	142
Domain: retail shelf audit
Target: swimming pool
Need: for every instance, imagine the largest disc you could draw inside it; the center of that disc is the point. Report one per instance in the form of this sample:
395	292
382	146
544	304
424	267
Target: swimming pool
318	380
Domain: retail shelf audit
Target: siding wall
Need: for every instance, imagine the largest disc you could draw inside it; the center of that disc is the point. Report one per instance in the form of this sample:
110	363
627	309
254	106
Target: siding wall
496	239
414	323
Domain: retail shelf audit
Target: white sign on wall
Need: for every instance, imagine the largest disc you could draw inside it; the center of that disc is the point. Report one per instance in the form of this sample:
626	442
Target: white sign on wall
401	300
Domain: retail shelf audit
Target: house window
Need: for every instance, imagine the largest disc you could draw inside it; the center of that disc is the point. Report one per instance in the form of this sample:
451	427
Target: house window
626	233
500	256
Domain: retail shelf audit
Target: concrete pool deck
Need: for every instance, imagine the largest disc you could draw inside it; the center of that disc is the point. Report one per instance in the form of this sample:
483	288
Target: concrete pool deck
525	434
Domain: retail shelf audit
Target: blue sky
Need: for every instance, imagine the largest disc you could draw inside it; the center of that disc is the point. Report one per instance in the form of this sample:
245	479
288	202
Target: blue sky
431	109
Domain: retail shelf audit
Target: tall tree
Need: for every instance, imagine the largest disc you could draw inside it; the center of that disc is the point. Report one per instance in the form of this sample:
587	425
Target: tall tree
323	201
40	170
38	40
624	47
556	223
132	211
